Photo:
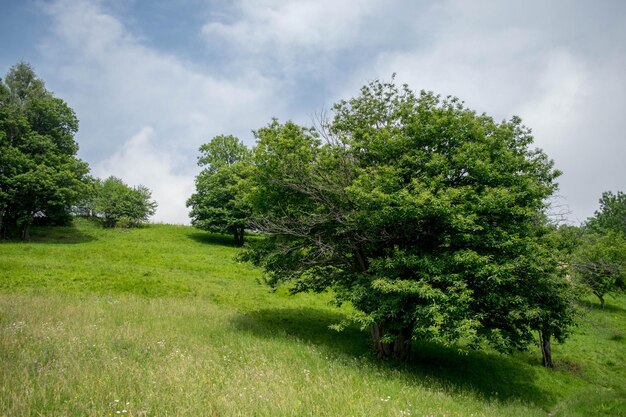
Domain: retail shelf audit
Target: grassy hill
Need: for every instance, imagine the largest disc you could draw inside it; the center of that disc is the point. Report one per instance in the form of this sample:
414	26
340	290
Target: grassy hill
162	321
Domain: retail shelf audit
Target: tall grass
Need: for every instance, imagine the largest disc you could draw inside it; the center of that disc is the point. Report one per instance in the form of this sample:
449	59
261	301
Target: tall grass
161	321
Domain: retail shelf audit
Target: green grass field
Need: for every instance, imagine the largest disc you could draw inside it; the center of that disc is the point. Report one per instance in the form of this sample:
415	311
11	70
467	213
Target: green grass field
162	321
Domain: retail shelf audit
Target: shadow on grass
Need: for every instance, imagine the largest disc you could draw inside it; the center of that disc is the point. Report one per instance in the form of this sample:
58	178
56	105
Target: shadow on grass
490	376
609	307
57	235
212	238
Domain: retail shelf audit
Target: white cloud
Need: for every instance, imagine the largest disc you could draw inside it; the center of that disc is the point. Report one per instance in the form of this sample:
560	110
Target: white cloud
491	70
137	162
297	38
578	121
108	69
561	85
127	85
320	25
559	65
117	86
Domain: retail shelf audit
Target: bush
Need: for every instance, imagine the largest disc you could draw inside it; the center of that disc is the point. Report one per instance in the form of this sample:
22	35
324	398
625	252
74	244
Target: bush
117	204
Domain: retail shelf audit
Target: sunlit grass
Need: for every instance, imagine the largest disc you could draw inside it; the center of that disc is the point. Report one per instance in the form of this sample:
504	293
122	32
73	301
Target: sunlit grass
161	321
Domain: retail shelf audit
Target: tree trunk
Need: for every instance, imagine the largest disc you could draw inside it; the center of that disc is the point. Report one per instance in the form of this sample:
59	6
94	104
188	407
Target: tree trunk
362	263
601	298
26	230
546	353
399	348
238	235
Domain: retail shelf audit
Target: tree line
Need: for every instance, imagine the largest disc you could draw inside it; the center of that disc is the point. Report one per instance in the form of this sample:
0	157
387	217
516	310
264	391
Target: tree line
41	177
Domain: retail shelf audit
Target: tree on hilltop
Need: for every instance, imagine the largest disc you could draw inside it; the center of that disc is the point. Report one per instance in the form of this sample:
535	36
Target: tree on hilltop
216	205
40	174
118	204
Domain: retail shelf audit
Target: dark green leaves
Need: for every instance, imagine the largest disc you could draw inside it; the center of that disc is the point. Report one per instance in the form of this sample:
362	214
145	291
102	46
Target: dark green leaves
217	205
419	212
118	204
39	171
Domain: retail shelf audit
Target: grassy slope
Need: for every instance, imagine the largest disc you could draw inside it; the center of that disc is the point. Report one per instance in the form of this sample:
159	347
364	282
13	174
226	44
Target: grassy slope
162	321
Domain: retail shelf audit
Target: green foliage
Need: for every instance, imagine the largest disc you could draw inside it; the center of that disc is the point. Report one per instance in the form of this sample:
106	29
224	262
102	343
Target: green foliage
40	174
425	216
600	264
612	214
119	205
222	150
600	261
216	205
566	239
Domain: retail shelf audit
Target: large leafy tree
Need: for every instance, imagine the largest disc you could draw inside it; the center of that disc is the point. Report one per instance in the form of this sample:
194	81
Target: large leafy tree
216	205
40	174
426	217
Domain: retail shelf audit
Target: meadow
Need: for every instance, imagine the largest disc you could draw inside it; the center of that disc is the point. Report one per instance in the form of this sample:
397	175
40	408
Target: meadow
163	321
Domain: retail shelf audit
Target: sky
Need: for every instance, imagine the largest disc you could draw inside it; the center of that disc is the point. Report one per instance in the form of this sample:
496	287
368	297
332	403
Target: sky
152	80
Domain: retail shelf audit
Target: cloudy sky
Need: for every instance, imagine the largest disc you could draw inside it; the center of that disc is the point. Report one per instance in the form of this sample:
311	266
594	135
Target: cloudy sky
151	80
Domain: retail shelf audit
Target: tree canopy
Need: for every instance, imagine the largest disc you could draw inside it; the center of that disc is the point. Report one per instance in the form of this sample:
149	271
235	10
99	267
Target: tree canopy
612	214
118	204
40	174
599	263
216	205
222	151
427	217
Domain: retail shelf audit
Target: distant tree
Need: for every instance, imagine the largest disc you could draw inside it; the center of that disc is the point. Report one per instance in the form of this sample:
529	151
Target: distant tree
118	204
600	261
85	206
611	215
600	264
40	174
426	217
216	205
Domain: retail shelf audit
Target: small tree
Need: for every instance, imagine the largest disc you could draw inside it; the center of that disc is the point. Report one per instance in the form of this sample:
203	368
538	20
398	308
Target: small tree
600	261
425	216
600	264
611	215
117	204
216	205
